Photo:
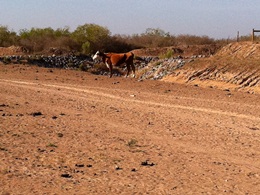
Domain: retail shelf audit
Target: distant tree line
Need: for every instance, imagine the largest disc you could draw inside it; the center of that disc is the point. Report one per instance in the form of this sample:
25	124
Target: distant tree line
88	38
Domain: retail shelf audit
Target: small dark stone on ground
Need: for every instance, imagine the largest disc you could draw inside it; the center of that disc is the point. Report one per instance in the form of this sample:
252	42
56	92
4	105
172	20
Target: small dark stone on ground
79	165
66	175
146	163
36	114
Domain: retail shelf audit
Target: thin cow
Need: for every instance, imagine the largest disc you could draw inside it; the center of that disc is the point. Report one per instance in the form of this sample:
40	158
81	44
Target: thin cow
117	59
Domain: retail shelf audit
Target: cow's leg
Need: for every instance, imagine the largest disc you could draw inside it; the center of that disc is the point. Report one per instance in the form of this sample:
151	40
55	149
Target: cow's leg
133	69
109	65
128	70
111	70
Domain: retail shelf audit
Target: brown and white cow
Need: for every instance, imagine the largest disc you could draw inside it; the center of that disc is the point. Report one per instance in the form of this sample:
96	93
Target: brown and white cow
117	59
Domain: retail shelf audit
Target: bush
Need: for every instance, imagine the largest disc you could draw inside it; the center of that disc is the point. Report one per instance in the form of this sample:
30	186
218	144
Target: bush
7	60
38	40
194	40
83	67
7	38
89	38
168	54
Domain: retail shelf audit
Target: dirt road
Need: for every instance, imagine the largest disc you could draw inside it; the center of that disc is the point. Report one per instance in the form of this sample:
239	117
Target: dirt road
69	132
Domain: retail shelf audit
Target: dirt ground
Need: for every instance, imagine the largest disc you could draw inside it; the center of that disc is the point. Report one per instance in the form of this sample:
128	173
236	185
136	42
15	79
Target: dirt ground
70	132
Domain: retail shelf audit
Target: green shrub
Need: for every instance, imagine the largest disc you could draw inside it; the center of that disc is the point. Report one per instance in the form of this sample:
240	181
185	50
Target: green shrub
6	60
83	67
168	54
132	143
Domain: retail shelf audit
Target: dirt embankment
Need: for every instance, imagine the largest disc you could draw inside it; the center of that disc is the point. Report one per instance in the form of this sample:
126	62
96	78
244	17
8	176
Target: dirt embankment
12	50
235	66
181	50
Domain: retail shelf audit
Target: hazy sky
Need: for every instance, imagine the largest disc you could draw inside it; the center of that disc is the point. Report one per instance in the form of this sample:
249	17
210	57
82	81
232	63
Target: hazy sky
214	18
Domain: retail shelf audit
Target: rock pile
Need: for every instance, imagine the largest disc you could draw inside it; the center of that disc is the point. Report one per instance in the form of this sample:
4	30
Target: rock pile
160	68
66	62
149	67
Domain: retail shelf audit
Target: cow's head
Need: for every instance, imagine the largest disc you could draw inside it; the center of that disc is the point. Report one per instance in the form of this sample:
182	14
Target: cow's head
97	55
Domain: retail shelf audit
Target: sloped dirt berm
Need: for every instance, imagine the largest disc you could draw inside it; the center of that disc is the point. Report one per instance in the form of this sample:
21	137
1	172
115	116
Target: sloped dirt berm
236	66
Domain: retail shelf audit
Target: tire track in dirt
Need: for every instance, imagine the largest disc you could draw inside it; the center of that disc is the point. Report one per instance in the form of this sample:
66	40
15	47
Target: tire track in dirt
94	91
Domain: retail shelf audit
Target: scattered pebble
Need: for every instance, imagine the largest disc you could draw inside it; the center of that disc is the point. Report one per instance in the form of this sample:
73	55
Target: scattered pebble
146	163
118	168
115	82
41	150
79	165
150	123
7	114
254	128
36	114
66	175
60	134
229	94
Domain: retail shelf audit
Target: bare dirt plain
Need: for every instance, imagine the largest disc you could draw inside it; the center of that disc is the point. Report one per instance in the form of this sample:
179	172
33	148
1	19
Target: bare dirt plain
70	132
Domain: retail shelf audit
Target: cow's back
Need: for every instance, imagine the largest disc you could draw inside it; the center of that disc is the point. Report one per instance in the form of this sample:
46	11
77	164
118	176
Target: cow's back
120	58
129	57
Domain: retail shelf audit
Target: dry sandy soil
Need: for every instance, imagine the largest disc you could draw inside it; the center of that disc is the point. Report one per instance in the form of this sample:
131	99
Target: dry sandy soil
70	132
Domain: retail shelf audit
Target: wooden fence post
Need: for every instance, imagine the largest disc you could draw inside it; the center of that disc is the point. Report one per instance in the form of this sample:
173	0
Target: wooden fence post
253	35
